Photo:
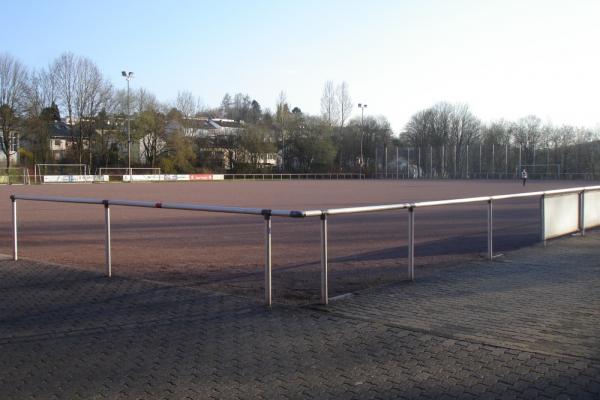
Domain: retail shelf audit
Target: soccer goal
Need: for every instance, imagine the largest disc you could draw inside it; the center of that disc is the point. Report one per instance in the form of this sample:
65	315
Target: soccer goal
14	176
541	171
66	170
115	171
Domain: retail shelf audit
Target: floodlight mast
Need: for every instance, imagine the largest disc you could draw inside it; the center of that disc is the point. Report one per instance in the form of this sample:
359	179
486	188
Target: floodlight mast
362	135
128	76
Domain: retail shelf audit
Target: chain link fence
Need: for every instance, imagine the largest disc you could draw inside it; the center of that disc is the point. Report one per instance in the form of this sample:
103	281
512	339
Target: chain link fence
481	161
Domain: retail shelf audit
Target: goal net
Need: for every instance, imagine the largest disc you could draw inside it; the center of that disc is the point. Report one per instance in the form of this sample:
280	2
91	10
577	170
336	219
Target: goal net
64	170
115	171
14	175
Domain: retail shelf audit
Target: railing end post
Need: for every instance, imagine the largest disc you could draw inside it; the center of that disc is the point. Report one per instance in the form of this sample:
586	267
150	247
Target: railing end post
490	230
324	266
268	263
411	242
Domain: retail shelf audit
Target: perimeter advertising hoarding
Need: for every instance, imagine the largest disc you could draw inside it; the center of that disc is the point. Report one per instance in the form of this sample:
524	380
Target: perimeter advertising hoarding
177	177
201	177
561	215
143	178
75	178
591	209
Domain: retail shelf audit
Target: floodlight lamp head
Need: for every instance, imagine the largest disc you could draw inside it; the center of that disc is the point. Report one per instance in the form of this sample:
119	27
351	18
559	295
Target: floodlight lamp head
123	73
359	105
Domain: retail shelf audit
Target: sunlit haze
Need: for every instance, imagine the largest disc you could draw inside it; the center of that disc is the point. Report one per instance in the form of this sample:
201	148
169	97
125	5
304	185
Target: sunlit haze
506	59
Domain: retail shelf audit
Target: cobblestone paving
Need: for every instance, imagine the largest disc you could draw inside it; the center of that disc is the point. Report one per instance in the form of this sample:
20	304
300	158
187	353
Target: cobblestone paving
537	299
69	334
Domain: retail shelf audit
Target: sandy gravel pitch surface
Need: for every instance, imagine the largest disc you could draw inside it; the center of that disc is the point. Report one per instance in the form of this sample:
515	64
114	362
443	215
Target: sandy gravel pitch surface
225	252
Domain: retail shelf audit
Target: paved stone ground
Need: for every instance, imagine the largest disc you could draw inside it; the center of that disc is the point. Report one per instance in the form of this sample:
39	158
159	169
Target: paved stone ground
536	299
524	326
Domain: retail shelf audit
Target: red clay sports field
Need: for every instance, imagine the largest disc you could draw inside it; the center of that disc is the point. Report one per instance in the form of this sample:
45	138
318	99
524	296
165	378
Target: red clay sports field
225	252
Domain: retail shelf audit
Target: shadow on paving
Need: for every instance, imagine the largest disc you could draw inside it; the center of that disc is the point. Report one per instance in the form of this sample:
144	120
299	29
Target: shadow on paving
538	299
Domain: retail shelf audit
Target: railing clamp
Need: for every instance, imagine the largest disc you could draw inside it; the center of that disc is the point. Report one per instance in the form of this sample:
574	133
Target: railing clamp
266	213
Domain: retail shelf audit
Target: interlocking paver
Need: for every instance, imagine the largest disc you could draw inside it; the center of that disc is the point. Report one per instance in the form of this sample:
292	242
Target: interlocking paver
66	333
537	299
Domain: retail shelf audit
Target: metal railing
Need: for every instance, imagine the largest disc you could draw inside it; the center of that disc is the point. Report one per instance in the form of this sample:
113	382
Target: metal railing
322	214
266	213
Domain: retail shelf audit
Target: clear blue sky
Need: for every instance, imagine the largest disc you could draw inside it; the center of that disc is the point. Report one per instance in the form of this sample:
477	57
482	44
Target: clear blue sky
504	58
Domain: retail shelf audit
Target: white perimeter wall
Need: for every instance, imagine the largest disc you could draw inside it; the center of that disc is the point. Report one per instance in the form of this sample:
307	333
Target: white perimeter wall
561	215
591	209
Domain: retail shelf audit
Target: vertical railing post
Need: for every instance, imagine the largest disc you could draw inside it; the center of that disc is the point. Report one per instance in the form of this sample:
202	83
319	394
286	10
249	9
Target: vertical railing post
268	266
411	243
14	228
582	212
542	220
490	231
324	283
107	250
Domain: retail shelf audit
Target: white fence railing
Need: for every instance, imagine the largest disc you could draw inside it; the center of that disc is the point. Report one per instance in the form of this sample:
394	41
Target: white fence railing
557	218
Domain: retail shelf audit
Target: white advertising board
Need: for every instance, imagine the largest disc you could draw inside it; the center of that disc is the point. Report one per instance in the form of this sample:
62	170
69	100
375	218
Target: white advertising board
591	209
75	178
561	215
143	178
176	177
173	177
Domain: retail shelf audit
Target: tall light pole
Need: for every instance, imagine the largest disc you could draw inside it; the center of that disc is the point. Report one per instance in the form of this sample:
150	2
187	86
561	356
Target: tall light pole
362	135
128	76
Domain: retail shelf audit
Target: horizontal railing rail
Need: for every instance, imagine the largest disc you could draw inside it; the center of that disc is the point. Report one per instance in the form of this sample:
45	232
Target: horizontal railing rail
169	206
322	214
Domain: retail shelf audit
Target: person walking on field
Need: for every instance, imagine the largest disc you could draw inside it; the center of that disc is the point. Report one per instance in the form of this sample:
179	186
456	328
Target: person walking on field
524	176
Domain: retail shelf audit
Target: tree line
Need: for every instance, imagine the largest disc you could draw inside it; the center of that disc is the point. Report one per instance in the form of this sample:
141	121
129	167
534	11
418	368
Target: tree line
526	141
72	88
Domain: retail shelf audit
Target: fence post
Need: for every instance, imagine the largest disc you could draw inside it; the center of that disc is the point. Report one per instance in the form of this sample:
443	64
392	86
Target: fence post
14	221
490	229
542	217
582	212
324	286
411	243
107	250
268	298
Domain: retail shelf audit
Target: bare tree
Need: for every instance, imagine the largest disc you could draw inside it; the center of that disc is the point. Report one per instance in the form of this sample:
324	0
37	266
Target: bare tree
282	116
43	90
464	130
527	134
66	78
13	90
186	104
90	95
344	103
329	105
